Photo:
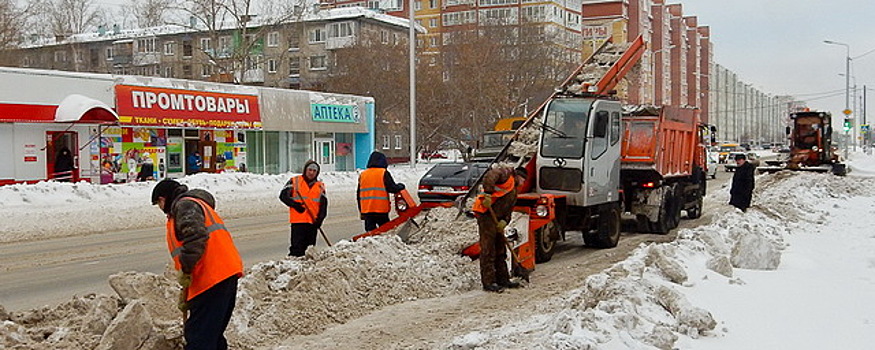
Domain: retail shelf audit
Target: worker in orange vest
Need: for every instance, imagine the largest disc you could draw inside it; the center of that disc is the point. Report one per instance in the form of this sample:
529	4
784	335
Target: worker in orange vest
207	261
305	196
492	209
372	194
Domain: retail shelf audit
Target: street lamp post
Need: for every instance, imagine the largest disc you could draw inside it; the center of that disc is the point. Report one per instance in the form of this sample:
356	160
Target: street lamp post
847	84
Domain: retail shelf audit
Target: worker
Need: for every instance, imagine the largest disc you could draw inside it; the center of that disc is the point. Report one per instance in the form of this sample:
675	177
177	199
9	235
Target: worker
742	183
206	259
305	196
372	193
493	209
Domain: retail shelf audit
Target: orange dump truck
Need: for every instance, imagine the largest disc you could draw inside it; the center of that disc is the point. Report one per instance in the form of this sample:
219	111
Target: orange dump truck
662	169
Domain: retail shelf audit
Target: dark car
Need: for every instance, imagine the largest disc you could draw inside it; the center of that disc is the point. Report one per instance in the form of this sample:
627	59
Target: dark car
446	181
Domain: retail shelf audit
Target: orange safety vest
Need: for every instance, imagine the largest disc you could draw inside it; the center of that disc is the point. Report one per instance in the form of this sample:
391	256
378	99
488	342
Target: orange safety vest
220	259
500	191
309	196
373	197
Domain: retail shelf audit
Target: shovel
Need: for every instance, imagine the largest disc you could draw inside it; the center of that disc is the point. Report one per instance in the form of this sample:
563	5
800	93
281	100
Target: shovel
313	218
515	267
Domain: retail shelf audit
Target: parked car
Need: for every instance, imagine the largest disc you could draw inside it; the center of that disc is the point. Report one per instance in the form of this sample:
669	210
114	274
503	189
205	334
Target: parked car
752	157
713	164
446	181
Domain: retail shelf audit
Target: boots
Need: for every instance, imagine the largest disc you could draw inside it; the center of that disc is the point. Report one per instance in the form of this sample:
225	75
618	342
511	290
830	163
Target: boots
510	284
493	287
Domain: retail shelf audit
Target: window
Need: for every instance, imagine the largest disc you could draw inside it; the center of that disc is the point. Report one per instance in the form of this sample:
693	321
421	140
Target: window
615	127
206	70
253	62
373	4
432	4
433	22
340	30
60	56
433	41
599	134
273	39
317	35
418	6
225	46
169	47
294	66
109	53
186	49
386	143
206	44
384	37
168	72
294	42
397	141
146	45
271	65
318	63
186	71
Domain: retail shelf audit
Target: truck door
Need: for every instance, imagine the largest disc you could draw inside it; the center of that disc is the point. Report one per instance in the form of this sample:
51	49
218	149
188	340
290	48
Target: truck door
603	154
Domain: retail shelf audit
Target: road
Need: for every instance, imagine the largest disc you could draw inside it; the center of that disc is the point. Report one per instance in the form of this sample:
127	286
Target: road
50	271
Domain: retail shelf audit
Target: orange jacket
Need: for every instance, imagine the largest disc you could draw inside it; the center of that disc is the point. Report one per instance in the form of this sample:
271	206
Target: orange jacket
309	197
220	259
373	196
500	190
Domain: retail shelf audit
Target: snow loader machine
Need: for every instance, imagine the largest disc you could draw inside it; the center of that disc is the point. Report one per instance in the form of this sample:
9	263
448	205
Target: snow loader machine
810	137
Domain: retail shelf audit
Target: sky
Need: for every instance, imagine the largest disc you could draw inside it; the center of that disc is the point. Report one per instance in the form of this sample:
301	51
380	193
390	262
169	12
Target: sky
777	45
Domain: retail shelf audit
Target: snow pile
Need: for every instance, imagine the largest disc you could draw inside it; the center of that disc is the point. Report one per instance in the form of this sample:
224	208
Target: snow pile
641	302
54	209
276	299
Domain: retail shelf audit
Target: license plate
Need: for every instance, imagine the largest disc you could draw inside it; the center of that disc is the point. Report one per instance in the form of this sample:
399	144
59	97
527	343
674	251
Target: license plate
443	189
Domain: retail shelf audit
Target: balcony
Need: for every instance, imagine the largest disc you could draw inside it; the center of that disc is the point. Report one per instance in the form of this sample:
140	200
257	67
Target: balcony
250	76
146	58
339	43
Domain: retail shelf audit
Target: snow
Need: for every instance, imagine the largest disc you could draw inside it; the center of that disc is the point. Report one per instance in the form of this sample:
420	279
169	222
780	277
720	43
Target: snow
793	272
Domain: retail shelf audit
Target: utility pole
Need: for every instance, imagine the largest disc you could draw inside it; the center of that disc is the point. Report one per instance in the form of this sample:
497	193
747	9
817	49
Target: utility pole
412	50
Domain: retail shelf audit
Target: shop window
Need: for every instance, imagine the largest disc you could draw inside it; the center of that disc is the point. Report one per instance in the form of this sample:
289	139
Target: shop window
386	142
174	132
397	141
192	133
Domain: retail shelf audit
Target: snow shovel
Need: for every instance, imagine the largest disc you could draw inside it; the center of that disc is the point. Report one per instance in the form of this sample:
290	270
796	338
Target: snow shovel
515	267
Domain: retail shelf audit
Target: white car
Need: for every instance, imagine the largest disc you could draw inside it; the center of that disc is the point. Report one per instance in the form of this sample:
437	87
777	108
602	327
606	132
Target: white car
712	165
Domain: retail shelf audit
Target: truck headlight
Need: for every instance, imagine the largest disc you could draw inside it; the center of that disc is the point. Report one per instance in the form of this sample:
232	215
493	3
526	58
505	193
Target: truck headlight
814	148
542	211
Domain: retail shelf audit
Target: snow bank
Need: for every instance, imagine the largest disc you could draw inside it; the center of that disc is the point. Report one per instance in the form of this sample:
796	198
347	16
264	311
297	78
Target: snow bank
641	302
55	209
275	299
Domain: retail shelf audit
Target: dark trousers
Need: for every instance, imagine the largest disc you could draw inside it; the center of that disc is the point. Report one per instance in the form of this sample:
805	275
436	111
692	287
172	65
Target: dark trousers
493	252
303	236
374	220
209	313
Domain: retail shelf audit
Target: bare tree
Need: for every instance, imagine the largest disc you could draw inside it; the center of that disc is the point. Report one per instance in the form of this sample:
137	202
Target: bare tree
67	17
12	19
149	13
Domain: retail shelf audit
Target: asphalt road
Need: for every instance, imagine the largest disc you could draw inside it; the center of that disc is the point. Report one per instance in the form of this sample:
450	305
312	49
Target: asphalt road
50	271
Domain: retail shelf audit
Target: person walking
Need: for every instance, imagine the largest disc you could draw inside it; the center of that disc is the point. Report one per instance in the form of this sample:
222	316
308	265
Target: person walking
63	170
493	208
305	196
206	259
742	183
372	193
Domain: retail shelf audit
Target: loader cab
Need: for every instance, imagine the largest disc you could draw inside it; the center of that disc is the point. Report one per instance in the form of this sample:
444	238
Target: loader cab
579	150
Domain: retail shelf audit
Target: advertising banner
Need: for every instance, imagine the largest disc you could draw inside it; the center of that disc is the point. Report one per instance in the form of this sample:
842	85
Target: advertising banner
146	106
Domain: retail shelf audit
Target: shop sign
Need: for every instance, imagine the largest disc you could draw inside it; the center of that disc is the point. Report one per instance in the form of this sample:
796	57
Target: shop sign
29	153
334	113
138	105
596	32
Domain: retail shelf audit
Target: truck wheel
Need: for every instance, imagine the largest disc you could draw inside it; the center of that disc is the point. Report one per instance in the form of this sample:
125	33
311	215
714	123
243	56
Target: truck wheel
607	233
545	242
669	214
696	211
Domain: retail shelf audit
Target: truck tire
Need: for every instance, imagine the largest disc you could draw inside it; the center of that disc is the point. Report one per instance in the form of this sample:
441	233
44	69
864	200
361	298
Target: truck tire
669	214
545	242
696	211
607	231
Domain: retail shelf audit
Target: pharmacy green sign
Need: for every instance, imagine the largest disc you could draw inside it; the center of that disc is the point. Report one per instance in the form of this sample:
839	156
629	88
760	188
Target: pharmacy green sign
334	113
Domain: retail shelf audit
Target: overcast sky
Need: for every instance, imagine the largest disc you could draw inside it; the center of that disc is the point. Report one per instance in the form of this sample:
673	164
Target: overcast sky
777	45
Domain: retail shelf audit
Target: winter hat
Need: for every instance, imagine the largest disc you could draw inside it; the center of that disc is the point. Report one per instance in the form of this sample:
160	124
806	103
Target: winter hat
165	188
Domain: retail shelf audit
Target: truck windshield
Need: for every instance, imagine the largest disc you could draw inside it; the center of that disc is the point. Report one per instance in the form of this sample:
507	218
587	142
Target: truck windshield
565	128
496	139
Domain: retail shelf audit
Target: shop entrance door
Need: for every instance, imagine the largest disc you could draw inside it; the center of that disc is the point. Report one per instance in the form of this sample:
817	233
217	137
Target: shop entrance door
208	152
324	153
62	167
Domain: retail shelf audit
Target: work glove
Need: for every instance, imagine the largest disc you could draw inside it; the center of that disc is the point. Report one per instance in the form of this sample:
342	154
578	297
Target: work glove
298	207
184	279
487	201
501	225
182	303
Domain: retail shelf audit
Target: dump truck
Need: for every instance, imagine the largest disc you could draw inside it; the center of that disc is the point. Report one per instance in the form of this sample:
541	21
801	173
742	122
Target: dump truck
810	138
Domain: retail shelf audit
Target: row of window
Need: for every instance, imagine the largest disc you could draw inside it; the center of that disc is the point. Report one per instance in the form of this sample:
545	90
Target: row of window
387	144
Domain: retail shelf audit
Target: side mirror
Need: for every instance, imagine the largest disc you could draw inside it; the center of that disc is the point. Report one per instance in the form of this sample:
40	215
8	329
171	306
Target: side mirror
788	131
